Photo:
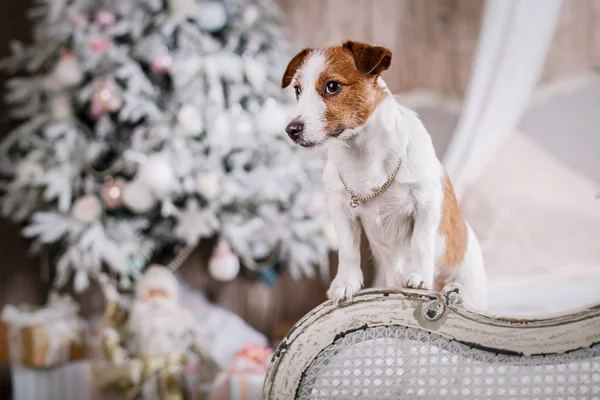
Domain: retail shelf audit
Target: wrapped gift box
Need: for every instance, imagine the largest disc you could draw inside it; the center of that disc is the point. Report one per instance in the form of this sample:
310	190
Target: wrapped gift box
44	337
244	378
69	381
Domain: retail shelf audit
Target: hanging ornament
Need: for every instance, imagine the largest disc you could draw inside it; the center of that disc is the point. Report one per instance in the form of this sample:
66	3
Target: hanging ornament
208	185
223	264
212	16
157	174
107	97
95	112
112	193
67	71
105	18
87	209
138	197
189	119
260	250
271	119
60	107
161	62
99	44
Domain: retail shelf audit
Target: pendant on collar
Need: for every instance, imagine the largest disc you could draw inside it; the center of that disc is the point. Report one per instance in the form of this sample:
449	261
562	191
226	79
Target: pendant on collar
354	202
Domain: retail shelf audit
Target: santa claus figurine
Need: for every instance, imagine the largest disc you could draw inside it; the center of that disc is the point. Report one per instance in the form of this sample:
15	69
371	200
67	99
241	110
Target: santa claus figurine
148	352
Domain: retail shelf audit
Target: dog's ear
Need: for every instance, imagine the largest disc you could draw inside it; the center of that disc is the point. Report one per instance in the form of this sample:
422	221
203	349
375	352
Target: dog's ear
293	66
369	60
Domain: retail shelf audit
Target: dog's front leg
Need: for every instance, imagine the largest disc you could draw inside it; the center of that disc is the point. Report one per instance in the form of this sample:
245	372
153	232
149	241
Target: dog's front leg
349	277
419	269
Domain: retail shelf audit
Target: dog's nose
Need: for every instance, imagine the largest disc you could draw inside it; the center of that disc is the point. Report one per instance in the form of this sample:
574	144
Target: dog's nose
294	129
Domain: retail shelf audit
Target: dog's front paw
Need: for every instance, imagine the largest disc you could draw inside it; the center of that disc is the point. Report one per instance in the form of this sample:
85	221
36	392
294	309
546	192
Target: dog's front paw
414	280
344	287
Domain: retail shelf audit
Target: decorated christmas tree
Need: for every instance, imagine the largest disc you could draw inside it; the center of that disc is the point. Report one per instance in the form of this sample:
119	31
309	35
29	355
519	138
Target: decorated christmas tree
148	125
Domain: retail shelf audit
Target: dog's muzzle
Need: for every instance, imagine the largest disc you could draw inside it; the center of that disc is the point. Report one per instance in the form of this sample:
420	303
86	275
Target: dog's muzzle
294	129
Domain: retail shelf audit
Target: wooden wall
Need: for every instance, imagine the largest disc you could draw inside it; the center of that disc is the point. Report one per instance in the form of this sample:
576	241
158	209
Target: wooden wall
576	45
433	41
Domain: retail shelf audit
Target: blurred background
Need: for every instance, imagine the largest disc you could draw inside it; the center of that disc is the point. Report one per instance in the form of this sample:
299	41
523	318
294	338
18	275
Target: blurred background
511	97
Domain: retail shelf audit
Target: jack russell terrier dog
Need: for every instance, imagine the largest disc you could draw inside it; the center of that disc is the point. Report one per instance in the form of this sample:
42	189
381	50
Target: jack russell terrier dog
381	172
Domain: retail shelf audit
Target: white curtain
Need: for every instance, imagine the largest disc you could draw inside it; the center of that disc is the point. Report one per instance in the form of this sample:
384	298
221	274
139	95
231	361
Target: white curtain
513	43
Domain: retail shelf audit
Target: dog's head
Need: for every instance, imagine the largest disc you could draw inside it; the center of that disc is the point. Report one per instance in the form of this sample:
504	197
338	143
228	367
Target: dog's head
336	88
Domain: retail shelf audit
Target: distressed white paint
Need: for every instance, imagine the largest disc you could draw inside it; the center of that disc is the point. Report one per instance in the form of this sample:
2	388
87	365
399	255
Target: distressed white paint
318	330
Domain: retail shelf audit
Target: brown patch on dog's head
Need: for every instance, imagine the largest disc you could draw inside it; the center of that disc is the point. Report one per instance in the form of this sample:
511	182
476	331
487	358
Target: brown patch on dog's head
337	90
356	66
369	60
293	66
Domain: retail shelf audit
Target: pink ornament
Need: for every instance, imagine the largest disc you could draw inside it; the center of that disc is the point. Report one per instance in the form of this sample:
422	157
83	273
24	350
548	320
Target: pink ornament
112	193
100	44
105	18
87	209
107	97
161	63
95	112
223	265
67	72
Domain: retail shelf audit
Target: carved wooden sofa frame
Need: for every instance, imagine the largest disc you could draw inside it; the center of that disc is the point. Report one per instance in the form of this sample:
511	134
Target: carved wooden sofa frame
413	344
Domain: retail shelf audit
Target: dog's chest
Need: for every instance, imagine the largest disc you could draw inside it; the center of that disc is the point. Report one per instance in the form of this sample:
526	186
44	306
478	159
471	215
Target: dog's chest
389	216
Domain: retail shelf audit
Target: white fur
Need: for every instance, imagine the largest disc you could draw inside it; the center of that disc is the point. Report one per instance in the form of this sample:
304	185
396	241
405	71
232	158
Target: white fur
366	157
311	107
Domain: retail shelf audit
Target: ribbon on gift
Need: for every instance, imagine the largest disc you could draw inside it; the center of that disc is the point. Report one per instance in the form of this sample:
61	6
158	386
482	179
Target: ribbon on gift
59	320
251	360
243	378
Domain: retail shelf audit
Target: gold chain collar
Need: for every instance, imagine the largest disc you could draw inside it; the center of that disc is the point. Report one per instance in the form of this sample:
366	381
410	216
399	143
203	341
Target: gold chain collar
355	201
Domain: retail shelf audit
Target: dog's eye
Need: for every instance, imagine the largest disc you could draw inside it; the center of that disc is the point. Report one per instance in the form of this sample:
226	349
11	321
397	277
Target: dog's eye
332	87
297	90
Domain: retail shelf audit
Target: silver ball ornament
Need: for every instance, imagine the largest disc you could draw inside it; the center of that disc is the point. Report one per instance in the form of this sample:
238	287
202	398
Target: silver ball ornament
157	174
212	16
138	197
190	120
208	185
